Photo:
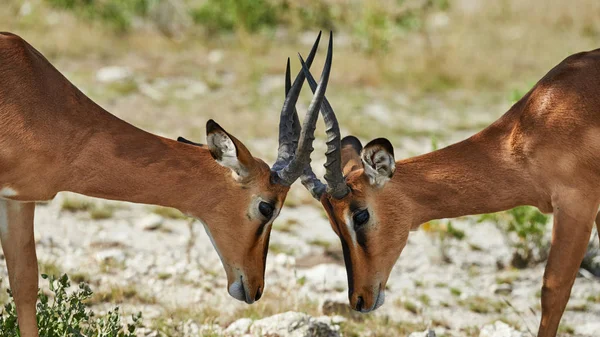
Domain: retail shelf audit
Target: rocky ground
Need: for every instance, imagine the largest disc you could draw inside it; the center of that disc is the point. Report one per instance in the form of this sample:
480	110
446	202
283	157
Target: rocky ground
167	268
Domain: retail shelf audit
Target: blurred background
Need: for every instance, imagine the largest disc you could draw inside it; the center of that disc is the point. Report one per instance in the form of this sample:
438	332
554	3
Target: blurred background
422	73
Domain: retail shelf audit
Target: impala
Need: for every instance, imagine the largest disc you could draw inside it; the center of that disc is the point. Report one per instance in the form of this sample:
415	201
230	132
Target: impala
53	138
543	152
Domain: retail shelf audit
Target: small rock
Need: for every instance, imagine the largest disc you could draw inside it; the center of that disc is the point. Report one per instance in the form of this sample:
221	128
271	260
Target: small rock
113	74
426	333
116	255
588	329
215	56
151	222
192	90
378	111
503	289
293	324
239	327
499	329
268	84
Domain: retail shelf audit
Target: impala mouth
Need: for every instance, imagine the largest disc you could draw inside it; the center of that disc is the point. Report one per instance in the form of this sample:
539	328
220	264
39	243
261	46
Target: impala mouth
378	301
238	291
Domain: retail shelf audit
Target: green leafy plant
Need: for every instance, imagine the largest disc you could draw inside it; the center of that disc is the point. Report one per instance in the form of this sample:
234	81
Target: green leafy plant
525	229
117	13
65	314
231	15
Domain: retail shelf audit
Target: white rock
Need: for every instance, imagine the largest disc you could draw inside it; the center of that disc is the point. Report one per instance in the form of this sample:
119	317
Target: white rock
324	277
114	254
379	111
151	222
588	329
149	91
502	289
192	90
239	327
499	329
215	56
270	83
293	324
426	333
25	9
113	74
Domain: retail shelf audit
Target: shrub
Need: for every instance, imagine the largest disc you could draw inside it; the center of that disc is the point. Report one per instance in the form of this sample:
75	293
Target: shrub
230	15
65	314
117	13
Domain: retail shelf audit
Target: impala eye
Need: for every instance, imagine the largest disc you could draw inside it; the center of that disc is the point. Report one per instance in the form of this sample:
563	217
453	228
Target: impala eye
360	218
266	209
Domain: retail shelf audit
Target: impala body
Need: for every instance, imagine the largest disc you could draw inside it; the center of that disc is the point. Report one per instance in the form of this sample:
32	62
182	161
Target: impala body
53	138
544	152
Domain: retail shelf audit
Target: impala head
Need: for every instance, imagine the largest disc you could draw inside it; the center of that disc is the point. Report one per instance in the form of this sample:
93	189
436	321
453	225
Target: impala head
244	206
367	218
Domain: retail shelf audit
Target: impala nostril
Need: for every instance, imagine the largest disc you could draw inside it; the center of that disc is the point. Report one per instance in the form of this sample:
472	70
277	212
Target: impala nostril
258	294
360	303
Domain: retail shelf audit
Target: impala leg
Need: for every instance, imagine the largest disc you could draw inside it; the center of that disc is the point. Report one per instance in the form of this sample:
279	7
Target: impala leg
570	235
18	244
598	224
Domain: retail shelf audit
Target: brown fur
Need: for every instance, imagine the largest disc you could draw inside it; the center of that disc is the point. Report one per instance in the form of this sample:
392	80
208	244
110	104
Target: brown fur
55	139
545	152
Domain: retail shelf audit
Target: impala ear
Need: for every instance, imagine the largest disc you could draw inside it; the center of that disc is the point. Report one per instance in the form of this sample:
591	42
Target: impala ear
378	161
228	151
351	148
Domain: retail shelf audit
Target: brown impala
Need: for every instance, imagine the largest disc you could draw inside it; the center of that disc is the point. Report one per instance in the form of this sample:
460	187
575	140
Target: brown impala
544	152
53	138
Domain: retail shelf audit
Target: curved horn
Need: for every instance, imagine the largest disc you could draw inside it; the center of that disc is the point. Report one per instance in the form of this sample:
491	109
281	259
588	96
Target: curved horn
302	158
289	127
336	185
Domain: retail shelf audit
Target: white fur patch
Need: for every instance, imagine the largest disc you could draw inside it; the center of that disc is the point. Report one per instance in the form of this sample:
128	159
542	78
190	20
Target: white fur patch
8	192
224	150
350	225
379	167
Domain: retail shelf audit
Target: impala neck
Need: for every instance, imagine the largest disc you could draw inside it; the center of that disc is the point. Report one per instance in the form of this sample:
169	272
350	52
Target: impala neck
122	162
474	176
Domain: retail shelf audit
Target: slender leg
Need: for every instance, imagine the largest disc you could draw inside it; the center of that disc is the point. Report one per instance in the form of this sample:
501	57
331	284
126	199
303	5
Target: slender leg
18	244
598	224
573	222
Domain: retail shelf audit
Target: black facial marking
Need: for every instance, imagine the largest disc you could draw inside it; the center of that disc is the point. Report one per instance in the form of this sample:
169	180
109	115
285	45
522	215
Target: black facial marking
345	250
361	238
261	228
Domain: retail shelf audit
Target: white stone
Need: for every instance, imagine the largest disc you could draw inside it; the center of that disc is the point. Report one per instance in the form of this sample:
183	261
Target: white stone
239	327
113	74
379	112
151	222
426	333
293	324
499	329
215	56
116	255
588	329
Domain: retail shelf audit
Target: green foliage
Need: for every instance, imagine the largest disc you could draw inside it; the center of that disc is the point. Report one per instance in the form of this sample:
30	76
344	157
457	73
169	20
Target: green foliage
117	13
65	314
230	15
525	227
